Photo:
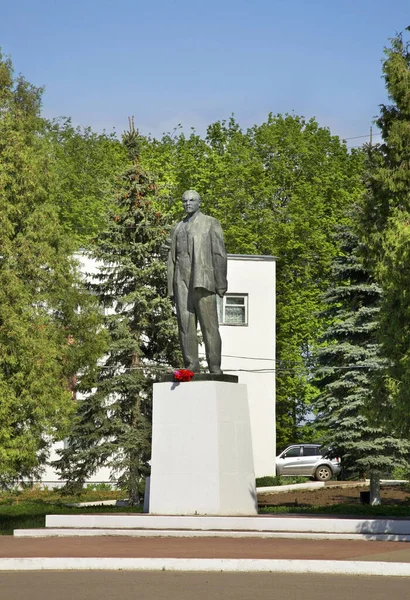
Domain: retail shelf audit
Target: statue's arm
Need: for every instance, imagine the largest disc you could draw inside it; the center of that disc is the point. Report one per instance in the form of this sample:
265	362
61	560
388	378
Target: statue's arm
170	244
219	258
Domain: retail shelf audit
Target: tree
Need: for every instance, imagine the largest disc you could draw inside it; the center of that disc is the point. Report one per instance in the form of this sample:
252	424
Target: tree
86	165
384	223
113	425
348	363
279	189
389	169
44	339
393	387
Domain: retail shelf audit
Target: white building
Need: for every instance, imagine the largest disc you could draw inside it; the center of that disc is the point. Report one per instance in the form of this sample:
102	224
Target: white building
247	325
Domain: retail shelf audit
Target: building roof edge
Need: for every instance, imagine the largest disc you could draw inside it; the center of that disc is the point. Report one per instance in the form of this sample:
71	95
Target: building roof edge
262	257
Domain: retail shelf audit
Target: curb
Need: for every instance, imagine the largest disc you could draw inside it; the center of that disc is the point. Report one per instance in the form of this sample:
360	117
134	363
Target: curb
389	569
312	485
162	533
277	489
98	503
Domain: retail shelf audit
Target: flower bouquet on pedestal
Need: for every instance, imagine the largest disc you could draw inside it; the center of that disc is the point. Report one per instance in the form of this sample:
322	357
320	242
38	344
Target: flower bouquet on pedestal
183	375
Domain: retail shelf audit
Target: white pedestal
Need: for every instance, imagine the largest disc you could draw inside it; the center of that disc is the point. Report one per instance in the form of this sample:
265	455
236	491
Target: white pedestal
202	461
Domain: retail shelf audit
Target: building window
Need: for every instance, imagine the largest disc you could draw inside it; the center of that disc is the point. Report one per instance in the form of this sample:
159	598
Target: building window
233	309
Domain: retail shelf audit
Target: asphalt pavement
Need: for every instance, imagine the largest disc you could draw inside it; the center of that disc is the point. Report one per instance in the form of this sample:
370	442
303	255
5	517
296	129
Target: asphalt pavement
102	585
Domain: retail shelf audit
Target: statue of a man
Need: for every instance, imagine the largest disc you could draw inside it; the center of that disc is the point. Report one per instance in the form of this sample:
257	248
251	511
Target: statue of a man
197	267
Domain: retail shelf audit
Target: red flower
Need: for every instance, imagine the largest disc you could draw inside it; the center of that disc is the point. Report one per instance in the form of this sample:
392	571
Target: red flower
183	375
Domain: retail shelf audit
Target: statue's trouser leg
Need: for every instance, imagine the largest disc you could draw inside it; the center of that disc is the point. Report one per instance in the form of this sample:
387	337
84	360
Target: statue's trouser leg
187	326
206	310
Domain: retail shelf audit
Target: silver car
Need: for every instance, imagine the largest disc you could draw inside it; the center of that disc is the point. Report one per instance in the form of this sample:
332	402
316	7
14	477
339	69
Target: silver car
307	460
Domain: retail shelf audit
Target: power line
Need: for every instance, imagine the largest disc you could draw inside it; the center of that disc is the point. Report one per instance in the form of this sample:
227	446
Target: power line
356	137
169	371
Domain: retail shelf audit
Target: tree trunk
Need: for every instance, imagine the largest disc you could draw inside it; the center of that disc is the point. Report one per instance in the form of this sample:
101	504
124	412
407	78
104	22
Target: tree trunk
134	480
375	488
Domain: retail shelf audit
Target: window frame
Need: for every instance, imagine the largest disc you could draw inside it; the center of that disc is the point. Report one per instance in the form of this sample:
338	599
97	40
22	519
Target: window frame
221	305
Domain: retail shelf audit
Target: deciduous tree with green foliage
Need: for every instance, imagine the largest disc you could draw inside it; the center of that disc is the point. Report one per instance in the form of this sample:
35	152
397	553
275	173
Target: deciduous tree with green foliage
385	225
44	339
113	426
86	165
278	188
393	388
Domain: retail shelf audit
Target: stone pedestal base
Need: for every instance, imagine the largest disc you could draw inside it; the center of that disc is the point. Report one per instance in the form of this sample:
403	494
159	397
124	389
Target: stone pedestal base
202	461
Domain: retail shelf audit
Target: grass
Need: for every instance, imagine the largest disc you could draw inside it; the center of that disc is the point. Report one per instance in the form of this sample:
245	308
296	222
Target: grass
27	509
270	480
351	510
31	515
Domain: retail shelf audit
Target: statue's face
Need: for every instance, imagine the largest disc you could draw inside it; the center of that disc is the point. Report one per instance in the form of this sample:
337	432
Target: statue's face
191	203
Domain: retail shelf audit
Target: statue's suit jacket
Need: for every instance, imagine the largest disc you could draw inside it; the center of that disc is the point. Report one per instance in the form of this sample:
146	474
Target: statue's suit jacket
197	255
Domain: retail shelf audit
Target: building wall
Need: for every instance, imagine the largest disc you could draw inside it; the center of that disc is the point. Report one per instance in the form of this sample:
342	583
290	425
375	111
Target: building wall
249	351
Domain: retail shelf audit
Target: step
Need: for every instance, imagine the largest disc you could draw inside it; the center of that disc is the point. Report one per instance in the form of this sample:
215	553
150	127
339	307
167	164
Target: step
177	533
262	523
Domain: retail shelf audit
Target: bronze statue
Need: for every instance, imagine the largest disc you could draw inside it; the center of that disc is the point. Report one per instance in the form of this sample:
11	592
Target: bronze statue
197	267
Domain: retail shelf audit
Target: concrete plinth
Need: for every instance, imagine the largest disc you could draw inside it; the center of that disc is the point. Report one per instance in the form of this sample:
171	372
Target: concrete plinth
202	461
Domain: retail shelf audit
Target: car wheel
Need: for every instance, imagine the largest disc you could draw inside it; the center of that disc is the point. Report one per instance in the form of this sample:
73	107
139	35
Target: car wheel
323	473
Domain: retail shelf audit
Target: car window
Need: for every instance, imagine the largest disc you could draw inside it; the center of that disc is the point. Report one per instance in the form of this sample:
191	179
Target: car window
311	451
295	451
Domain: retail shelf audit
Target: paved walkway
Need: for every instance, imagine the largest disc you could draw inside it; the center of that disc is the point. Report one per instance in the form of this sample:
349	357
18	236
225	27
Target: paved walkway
236	548
331	556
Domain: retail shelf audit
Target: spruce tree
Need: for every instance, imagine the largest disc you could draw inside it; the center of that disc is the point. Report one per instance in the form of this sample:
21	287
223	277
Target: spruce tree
113	426
348	363
44	339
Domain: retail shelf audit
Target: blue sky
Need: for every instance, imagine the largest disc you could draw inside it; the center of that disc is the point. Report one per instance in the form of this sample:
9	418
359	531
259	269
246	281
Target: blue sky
174	61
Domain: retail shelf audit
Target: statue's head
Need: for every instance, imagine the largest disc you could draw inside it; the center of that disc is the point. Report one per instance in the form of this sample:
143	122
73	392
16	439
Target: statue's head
191	201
